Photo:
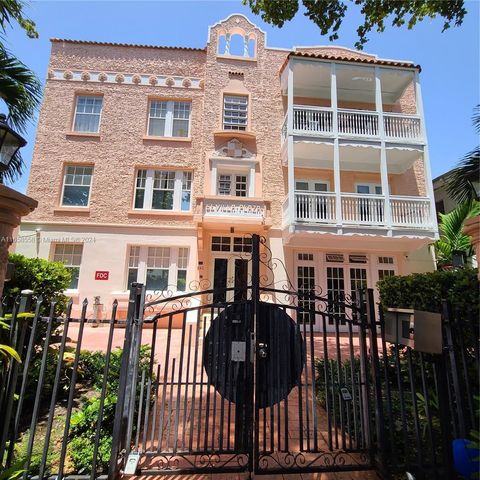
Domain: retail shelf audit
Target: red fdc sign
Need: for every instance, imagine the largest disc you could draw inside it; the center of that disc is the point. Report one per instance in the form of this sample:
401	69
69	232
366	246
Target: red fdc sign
101	275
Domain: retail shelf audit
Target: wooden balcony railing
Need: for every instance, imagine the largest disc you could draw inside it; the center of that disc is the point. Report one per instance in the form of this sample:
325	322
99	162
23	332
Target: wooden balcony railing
309	120
357	209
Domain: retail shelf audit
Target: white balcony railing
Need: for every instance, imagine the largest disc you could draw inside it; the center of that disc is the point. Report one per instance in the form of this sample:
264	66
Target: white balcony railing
410	212
357	123
402	127
234	207
363	209
315	207
356	209
309	120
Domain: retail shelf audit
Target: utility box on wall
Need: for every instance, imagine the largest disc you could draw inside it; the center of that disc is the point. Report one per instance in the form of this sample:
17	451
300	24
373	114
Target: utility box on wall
419	330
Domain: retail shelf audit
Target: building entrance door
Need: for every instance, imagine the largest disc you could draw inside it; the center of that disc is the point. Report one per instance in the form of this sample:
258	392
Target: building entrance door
230	278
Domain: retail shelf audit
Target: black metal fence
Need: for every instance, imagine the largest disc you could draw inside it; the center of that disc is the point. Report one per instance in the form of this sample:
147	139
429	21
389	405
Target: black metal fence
58	405
70	407
425	401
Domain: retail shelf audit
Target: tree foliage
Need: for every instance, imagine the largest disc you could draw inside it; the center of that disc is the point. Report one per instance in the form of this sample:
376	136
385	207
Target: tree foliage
460	182
451	232
20	88
328	15
46	278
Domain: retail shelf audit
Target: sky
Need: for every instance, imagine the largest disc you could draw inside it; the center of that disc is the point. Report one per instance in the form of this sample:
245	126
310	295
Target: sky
450	60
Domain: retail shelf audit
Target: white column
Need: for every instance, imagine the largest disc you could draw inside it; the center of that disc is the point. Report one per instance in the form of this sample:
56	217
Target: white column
290	156
383	153
426	156
213	178
336	148
245	46
227	44
251	181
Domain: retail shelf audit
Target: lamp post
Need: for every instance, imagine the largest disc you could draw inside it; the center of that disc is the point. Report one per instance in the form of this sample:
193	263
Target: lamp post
13	205
10	142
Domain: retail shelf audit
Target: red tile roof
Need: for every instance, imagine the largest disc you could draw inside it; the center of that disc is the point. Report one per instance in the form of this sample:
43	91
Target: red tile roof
371	61
112	44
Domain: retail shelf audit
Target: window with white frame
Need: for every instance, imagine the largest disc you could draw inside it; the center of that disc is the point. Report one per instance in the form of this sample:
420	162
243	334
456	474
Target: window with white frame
235	112
383	273
71	256
163	190
76	186
88	110
159	268
235	185
168	118
306	288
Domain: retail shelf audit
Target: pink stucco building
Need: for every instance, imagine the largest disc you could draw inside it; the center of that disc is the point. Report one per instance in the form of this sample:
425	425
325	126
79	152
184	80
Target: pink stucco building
152	163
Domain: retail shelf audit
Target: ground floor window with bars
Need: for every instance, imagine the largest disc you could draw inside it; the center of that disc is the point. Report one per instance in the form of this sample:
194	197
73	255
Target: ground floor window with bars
306	288
159	268
336	292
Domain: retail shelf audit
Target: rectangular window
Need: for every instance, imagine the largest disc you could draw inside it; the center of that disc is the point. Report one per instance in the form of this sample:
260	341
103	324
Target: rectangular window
163	190
182	264
88	110
76	186
158	263
385	260
168	118
71	256
242	244
235	108
306	289
221	244
133	260
358	281
336	294
385	273
159	268
233	185
307	257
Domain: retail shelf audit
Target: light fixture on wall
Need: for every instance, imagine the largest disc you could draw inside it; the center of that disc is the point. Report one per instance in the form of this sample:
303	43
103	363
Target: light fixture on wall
10	142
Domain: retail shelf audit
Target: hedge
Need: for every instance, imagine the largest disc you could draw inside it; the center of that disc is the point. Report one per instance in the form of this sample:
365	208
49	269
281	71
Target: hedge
425	291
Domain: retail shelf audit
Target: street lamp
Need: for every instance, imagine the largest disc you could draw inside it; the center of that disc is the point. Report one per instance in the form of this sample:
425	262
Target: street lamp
10	142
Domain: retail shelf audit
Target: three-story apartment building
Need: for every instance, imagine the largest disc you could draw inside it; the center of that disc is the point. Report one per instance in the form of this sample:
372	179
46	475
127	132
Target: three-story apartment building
151	164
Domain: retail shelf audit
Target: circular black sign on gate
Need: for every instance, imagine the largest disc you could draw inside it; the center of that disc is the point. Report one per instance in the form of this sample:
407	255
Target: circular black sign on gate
280	354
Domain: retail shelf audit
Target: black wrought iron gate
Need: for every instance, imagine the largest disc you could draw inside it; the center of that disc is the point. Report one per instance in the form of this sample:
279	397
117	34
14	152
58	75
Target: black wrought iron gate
259	378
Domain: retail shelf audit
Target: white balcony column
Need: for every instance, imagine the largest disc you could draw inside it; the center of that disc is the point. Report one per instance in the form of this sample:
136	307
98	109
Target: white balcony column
383	152
290	155
213	178
336	147
426	157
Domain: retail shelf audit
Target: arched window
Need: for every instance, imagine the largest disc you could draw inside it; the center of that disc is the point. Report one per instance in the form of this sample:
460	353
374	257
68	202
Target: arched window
237	45
222	42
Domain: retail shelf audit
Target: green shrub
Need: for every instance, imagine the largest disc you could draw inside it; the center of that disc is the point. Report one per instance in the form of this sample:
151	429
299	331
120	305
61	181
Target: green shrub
49	279
425	291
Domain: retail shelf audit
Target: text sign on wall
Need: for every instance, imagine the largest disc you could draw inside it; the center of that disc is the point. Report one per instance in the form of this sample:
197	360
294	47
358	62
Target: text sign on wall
101	275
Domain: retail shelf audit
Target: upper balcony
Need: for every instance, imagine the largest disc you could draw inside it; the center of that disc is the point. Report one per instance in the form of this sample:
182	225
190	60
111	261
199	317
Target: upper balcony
310	121
351	101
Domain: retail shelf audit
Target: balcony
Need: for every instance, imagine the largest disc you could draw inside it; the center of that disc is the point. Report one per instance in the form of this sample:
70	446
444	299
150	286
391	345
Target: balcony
215	209
318	121
361	210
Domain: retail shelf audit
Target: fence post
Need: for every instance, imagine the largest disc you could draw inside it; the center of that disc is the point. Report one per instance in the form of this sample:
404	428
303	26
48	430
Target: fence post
364	381
120	421
377	384
19	327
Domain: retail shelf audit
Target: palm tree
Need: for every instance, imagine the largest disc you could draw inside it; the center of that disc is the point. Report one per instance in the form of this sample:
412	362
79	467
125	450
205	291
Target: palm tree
451	232
20	88
460	181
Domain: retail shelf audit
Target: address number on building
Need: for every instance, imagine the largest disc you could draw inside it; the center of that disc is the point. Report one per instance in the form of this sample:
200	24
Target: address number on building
101	275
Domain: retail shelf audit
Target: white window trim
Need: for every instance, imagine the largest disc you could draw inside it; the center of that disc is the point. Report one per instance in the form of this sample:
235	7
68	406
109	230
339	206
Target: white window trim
370	185
246	125
148	196
52	257
233	174
75	115
225	167
168	133
311	184
172	268
63	186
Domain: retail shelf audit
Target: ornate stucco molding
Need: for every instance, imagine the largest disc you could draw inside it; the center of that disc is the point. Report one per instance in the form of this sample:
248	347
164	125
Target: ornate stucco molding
83	76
